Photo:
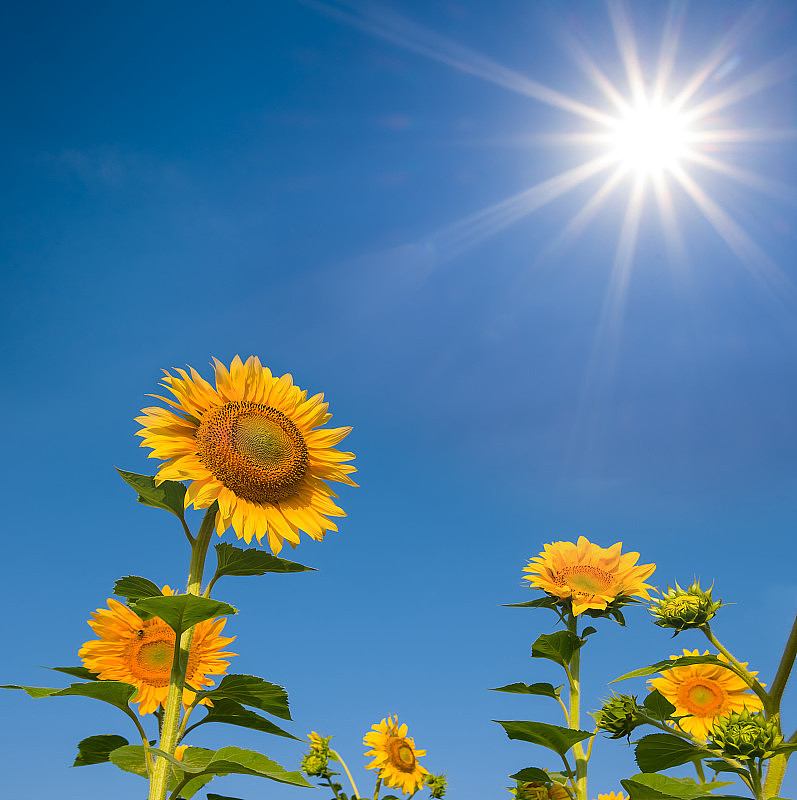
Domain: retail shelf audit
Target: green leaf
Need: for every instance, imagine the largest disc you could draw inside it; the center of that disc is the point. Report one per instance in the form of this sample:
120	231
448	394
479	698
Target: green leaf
236	561
658	706
660	751
233	713
723	766
77	672
97	749
558	647
235	760
544	689
169	495
130	758
560	740
785	748
531	774
36	692
249	690
663	666
194	760
114	692
541	602
663	787
588	631
224	797
133	588
182	611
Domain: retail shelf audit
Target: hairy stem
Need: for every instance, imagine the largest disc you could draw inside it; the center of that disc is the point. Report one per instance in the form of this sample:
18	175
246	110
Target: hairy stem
336	756
574	717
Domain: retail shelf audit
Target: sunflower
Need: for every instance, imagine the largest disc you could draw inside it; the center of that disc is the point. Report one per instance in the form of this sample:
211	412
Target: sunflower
704	692
253	444
395	756
140	652
592	576
612	796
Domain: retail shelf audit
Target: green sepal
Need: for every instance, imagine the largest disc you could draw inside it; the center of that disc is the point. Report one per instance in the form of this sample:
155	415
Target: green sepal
558	647
540	602
651	786
182	611
543	689
77	672
555	738
249	690
658	705
97	749
133	588
588	631
532	774
784	748
233	713
169	495
670	663
660	751
114	692
237	561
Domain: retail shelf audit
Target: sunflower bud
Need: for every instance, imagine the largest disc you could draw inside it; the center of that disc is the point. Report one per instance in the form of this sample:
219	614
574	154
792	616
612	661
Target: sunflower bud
745	735
619	716
315	765
437	785
535	790
684	608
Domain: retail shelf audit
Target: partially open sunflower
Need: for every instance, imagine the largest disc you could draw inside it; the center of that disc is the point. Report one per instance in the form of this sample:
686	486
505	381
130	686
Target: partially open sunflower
252	443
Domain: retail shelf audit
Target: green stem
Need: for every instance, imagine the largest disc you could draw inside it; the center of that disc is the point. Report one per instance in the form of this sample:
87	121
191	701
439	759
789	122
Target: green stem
699	770
336	756
182	647
755	774
574	717
332	786
378	787
739	668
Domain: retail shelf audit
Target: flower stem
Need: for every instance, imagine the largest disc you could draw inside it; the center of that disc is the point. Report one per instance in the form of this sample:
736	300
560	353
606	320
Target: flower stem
738	668
575	710
378	787
336	756
182	647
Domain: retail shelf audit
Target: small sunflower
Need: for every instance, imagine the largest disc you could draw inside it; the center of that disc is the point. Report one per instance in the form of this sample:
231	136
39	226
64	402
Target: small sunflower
140	652
395	756
253	444
704	692
612	796
592	576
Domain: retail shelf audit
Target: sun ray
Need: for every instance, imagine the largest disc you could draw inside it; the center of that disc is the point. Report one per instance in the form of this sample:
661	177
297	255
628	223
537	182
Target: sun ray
626	45
676	13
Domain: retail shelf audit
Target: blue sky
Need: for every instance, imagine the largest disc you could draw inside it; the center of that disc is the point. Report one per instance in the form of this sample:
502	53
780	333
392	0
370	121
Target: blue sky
312	183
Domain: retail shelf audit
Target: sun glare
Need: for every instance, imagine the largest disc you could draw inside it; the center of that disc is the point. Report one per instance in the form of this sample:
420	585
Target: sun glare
649	138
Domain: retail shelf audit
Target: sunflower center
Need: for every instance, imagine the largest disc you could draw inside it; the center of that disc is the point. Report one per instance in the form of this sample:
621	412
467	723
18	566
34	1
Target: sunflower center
402	756
149	655
703	698
253	449
584	579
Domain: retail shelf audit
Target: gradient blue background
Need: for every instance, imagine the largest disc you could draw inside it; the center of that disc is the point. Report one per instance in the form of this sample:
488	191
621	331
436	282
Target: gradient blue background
188	180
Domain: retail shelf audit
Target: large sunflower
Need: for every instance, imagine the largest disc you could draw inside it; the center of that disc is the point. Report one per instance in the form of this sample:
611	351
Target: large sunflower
252	443
592	576
140	652
704	692
395	756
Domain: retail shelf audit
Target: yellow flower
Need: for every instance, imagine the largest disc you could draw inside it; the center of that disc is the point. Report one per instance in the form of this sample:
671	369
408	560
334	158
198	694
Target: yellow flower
592	576
395	756
179	751
140	652
612	796
705	692
253	444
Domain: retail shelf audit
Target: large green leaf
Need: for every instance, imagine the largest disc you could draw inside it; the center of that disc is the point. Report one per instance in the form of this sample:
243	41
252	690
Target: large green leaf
660	751
663	666
130	758
560	740
544	689
133	588
237	561
658	706
169	495
77	672
97	749
235	760
531	774
558	647
233	713
541	602
114	692
249	690
663	787
182	611
194	760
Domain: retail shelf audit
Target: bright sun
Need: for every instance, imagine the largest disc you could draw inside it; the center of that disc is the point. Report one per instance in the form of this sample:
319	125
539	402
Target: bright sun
649	138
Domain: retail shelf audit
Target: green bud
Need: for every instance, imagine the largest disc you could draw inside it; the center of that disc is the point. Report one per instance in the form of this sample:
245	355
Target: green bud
619	716
684	608
745	735
437	785
534	790
315	764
